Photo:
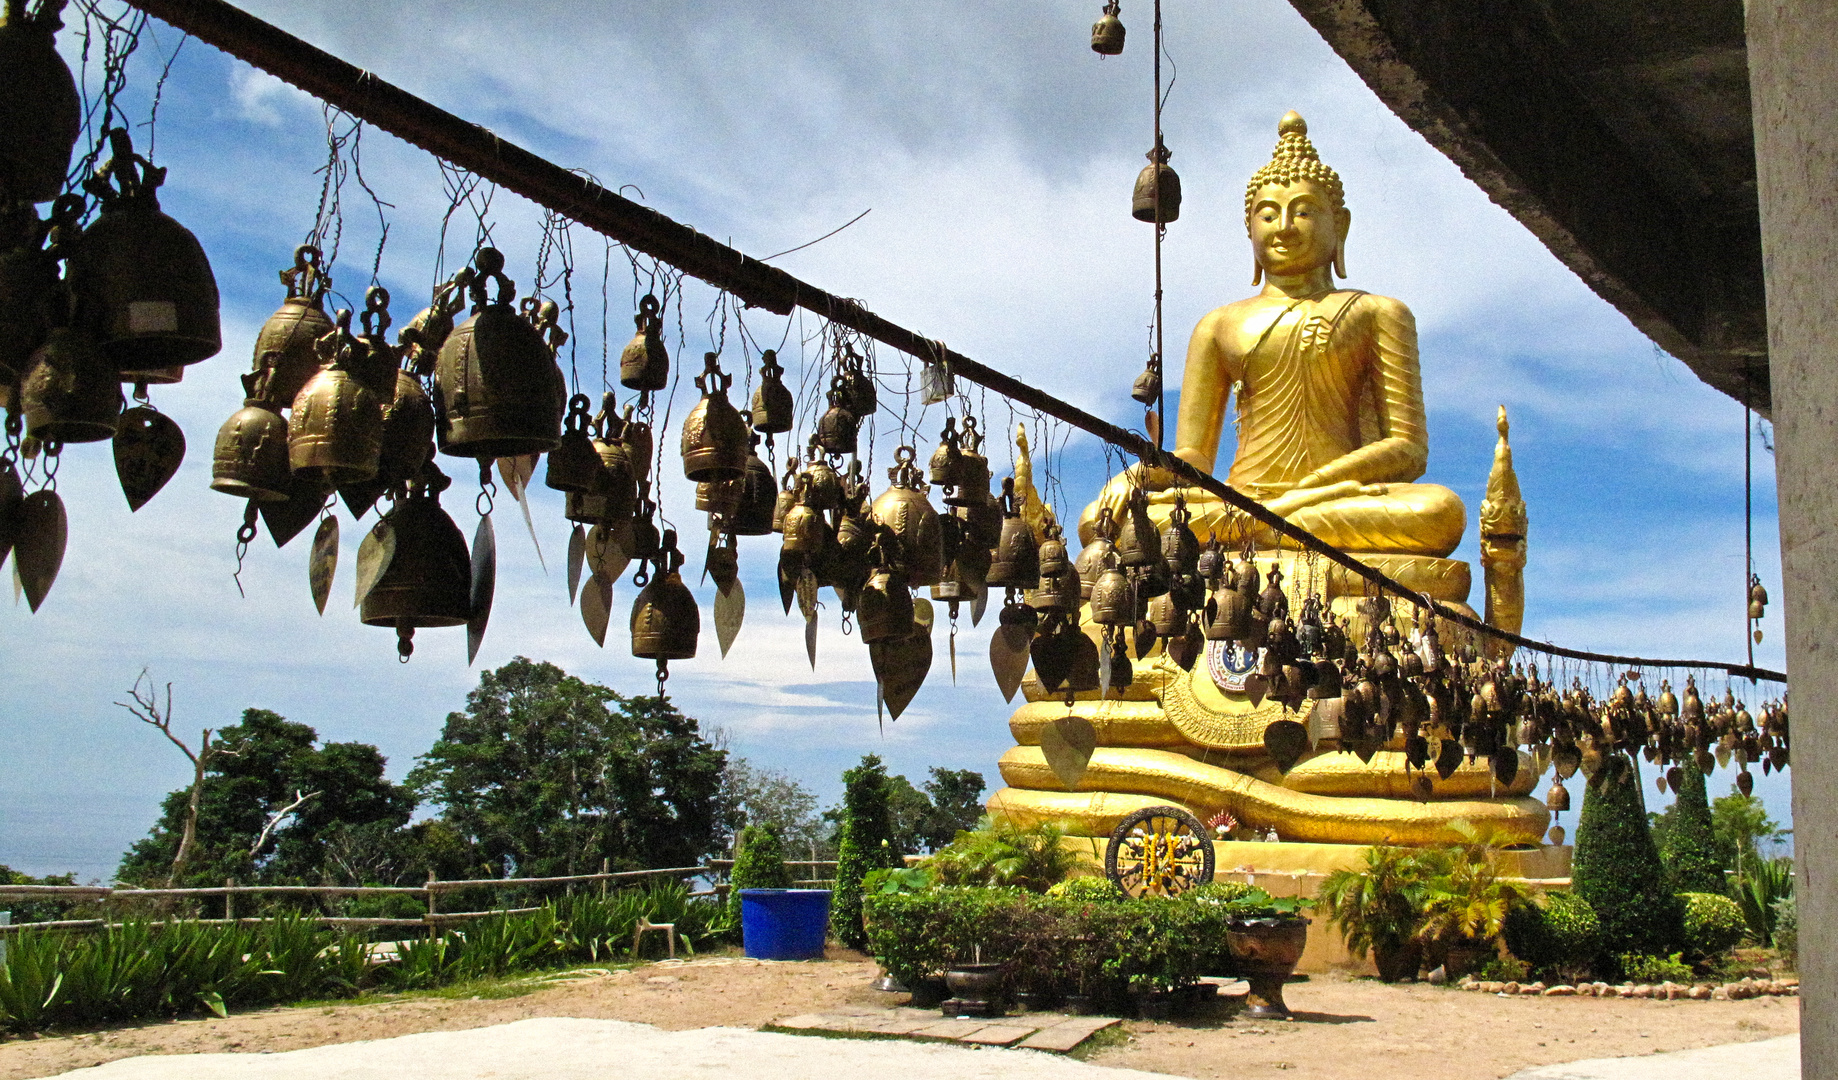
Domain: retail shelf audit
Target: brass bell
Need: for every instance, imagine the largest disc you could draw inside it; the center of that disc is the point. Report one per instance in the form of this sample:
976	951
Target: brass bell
284	346
1111	602
645	540
1017	558
1138	544
904	509
1058	592
149	297
971	488
374	361
71	393
421	340
885	610
758	497
774	409
806	533
1053	560
718	497
947	459
408	432
640	448
1158	189
1557	799
665	620
574	464
28	283
1148	386
1180	548
714	435
250	458
1107	33
618	482
336	435
1758	598
859	395
1093	556
837	429
428	581
40	112
787	497
825	486
645	364
498	392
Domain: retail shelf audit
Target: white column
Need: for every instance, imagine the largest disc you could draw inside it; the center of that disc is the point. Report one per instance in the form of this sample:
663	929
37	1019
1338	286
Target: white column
1793	78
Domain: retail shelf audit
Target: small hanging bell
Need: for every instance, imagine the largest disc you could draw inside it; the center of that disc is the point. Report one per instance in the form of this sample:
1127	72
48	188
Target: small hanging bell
1093	556
428	581
1158	189
787	497
885	610
859	395
574	464
1180	549
1148	386
806	534
947	459
665	620
1758	597
148	296
714	435
904	509
28	282
1111	602
336	435
497	388
1053	560
40	111
825	486
837	429
618	485
645	364
774	408
285	344
1017	559
408	432
1107	33
639	446
758	497
1138	543
250	458
71	392
718	497
971	487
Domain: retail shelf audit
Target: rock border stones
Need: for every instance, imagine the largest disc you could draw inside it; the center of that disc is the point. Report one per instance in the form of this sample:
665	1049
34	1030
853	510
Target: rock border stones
1667	991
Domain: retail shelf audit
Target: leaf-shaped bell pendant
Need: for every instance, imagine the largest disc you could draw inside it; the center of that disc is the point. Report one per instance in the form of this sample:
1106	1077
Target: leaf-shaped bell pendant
774	408
40	113
838	427
1107	33
71	392
665	620
499	392
904	509
148	295
645	364
284	347
250	458
758	496
1017	558
714	435
336	435
1158	189
428	581
575	464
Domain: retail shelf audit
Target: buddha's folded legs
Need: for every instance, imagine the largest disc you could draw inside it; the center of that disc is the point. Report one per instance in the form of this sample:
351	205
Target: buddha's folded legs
1409	519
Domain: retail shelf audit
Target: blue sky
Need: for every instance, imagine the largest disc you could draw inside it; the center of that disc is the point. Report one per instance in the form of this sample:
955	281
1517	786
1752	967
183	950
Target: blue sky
996	153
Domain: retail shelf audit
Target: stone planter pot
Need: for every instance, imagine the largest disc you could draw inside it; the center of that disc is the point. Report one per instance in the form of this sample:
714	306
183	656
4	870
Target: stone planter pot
1266	952
1398	961
975	989
927	993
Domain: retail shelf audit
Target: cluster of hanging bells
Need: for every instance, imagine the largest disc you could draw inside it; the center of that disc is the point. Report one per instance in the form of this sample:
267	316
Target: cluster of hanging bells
127	298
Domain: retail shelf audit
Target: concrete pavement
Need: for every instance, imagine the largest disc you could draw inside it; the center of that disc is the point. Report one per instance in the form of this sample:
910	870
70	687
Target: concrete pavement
1769	1059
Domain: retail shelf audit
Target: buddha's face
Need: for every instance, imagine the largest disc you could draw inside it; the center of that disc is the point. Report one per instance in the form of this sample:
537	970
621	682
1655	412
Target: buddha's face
1294	229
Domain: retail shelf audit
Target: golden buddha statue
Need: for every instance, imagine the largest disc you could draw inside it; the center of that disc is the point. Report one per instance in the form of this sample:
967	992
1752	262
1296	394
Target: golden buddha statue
1331	436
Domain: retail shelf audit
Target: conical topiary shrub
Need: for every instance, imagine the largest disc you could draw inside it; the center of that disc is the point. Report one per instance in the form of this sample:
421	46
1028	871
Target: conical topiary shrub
1690	846
1617	866
759	863
866	843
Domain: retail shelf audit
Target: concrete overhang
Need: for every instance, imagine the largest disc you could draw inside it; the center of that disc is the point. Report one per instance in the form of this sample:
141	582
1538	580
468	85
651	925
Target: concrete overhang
1617	131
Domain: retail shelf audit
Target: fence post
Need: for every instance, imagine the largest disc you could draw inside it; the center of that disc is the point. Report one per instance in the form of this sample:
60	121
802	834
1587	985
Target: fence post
606	867
229	900
433	927
6	919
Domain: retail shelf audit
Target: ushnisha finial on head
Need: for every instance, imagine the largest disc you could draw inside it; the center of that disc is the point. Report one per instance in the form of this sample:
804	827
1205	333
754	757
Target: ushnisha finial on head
1295	158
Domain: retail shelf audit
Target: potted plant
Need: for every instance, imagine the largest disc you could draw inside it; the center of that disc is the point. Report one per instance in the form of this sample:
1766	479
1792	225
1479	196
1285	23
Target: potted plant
1379	907
1465	910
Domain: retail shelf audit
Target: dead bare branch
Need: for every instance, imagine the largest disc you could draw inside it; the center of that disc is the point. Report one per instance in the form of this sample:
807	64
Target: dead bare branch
277	817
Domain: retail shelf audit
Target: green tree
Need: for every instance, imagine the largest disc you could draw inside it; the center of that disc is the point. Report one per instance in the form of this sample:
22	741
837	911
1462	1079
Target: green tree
1742	826
910	809
546	774
957	805
270	798
866	844
759	863
771	797
1617	869
1687	838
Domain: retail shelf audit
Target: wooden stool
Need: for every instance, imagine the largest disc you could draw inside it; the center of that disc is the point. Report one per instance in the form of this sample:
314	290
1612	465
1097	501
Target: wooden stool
644	924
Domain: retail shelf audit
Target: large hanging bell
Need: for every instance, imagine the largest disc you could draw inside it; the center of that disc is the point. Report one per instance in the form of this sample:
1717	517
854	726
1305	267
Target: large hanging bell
336	435
1107	33
1158	189
645	364
758	497
904	509
428	581
71	392
148	296
40	112
774	408
250	458
714	435
285	344
575	464
665	619
497	388
837	429
1017	558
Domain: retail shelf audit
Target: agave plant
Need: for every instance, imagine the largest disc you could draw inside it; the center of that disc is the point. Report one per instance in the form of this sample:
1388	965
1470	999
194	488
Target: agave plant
1758	884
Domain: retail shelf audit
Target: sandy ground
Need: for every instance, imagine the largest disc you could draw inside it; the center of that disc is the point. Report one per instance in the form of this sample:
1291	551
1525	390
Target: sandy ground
1345	1029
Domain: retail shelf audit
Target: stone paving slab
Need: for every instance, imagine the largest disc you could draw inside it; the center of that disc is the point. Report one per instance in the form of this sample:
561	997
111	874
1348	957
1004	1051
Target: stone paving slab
1053	1032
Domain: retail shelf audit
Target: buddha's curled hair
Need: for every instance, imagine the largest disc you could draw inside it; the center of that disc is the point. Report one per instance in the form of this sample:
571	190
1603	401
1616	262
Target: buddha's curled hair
1295	159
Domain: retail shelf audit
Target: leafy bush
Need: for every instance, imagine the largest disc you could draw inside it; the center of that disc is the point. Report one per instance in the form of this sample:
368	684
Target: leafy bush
1713	924
1000	853
904	880
1640	968
1558	934
1787	928
1090	890
1617	867
759	863
1504	969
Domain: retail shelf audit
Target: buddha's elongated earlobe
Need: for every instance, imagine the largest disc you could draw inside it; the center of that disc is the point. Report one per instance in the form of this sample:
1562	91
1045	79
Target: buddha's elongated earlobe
1257	271
1340	261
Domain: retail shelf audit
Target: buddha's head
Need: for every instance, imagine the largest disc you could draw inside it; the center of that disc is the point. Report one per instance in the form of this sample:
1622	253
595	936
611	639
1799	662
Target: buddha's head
1295	208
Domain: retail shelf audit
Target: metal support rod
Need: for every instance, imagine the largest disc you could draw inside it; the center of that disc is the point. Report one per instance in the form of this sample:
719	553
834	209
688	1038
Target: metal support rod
1161	230
474	148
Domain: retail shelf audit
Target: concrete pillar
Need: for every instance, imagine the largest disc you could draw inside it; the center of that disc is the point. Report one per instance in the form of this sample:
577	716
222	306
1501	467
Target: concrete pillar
1793	79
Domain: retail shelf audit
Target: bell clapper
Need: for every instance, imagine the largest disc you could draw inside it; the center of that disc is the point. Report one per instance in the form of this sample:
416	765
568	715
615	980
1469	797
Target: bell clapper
405	642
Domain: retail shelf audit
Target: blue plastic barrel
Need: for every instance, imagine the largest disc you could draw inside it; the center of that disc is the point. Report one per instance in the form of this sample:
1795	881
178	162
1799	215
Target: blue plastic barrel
784	924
